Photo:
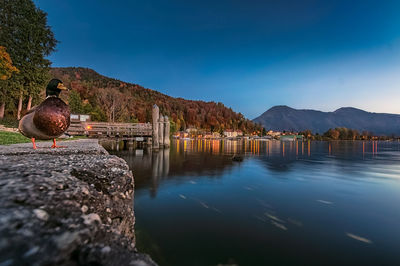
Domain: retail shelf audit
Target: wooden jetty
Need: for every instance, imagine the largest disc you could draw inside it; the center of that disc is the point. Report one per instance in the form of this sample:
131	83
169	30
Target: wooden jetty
157	133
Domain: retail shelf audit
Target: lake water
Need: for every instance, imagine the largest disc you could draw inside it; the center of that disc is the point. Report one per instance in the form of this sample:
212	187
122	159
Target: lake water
286	203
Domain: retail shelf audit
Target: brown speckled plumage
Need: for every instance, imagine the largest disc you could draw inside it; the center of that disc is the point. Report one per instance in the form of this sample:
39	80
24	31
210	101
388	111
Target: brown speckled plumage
52	117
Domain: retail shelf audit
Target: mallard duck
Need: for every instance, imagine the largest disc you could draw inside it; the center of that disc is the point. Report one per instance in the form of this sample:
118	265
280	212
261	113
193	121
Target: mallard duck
48	120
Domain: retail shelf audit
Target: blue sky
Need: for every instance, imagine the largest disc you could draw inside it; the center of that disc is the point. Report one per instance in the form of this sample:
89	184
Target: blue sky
250	55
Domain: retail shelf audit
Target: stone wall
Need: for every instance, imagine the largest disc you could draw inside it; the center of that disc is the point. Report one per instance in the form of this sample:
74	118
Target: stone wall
68	206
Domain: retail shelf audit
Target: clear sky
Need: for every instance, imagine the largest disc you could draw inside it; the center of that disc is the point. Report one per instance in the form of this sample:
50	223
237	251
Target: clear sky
248	54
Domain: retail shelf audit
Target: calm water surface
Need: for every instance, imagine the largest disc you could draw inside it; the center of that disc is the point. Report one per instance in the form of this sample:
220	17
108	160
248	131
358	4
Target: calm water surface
286	203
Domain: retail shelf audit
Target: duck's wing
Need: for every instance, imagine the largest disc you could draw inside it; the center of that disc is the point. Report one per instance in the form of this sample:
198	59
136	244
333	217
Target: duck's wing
52	117
28	128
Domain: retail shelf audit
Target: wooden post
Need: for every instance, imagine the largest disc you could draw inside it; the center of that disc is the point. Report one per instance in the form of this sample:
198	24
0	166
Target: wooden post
28	107
155	114
166	132
19	106
161	130
2	108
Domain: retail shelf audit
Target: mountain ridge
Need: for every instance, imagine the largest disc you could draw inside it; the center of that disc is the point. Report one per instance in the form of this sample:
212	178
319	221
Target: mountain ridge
283	117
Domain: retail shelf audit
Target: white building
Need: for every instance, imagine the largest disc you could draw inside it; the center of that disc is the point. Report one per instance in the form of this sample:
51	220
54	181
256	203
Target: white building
229	133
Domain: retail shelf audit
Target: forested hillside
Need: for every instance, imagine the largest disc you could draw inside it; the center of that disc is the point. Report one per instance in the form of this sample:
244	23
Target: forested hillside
109	99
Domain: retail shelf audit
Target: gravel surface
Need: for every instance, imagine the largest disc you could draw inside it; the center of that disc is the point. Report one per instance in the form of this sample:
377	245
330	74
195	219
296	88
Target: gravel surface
66	206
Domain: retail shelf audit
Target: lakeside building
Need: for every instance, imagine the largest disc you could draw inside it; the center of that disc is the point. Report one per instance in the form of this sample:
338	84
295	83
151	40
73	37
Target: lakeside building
274	133
80	118
211	135
197	134
230	133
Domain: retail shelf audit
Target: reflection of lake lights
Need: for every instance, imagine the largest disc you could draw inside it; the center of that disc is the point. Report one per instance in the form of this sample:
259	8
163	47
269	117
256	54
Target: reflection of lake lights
89	127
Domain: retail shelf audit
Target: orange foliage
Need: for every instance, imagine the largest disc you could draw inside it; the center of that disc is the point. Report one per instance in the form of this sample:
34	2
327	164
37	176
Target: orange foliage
6	66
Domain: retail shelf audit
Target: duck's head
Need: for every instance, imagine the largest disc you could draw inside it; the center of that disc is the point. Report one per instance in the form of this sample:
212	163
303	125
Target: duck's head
55	87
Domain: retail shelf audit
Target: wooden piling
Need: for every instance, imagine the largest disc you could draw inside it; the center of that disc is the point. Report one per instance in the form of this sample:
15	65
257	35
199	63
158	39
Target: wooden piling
161	131
155	116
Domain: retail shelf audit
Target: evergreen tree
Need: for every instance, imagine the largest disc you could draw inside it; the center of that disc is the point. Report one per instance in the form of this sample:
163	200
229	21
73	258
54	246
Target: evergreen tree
75	102
28	39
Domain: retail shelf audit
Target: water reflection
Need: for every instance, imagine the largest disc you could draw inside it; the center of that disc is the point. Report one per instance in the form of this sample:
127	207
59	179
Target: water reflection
286	203
188	158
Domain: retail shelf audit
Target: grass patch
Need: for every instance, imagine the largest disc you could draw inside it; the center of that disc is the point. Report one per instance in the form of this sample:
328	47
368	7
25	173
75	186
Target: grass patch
12	138
7	138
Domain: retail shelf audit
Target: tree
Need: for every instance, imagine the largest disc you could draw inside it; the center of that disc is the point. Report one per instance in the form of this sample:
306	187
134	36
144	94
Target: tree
263	132
97	114
343	133
353	134
332	133
6	65
114	103
75	102
28	38
307	134
6	70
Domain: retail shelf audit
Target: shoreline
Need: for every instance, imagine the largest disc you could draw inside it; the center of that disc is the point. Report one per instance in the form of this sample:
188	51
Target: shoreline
67	206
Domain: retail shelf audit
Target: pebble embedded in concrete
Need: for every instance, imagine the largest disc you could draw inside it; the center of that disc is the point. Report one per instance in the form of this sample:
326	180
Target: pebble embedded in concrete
41	214
84	208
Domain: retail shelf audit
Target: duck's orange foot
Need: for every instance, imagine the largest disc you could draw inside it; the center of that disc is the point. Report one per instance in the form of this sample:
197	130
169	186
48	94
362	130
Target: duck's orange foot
54	146
34	143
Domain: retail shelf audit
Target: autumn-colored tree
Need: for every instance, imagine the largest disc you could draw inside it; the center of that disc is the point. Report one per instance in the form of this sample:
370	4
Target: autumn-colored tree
6	70
343	133
306	133
332	134
6	66
114	104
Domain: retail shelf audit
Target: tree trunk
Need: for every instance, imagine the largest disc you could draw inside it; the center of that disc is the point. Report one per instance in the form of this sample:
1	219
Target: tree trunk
113	111
19	107
28	107
2	108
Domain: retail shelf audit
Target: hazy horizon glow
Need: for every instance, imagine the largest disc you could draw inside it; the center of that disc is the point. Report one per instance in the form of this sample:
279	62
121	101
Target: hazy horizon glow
248	55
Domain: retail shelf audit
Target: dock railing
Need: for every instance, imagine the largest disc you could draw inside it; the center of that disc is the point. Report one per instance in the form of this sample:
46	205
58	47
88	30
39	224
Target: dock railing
105	129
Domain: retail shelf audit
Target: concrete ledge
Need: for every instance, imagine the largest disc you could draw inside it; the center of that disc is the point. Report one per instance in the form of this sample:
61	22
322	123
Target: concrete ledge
67	206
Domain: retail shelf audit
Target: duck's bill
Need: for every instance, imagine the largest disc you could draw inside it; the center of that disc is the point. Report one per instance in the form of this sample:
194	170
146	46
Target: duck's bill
61	86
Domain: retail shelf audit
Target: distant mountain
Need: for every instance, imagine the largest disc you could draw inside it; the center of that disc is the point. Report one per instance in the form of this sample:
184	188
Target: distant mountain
285	118
126	102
